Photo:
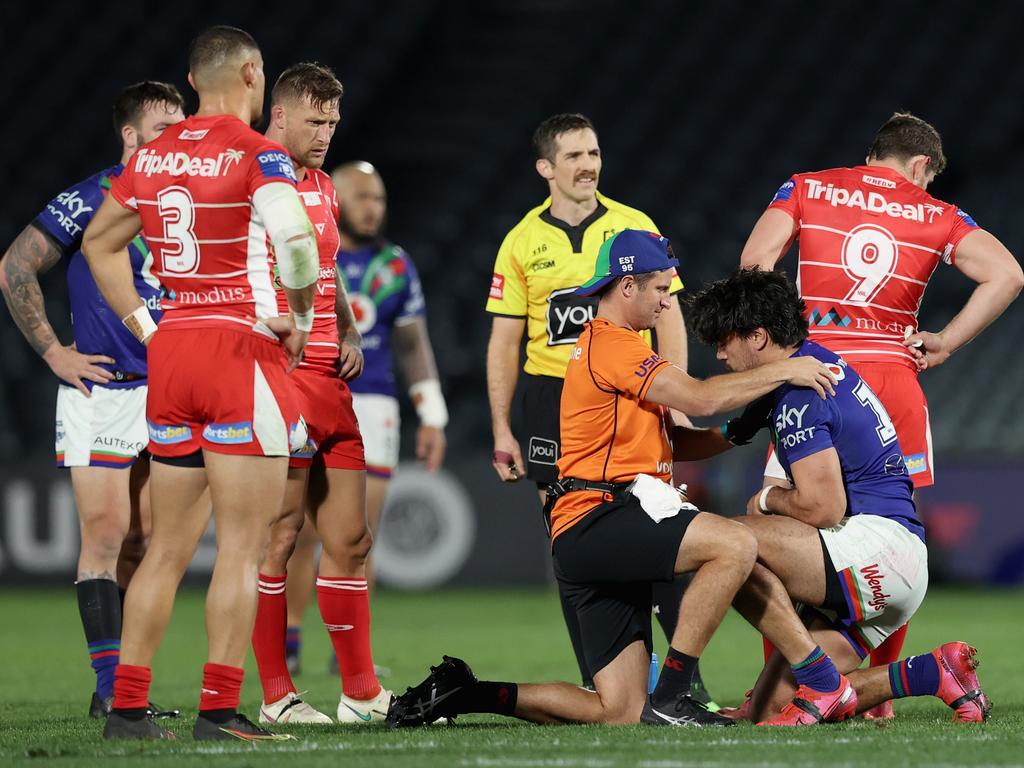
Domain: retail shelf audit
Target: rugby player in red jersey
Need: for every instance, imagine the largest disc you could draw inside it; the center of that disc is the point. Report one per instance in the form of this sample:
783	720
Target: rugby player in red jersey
304	115
870	238
209	195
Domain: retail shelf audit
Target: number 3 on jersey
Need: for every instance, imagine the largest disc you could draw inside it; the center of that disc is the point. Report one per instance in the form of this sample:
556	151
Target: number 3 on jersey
870	254
885	429
181	249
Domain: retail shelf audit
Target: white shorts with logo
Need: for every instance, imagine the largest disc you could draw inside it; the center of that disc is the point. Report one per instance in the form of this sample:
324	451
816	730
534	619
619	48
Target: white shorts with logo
883	571
107	429
379	424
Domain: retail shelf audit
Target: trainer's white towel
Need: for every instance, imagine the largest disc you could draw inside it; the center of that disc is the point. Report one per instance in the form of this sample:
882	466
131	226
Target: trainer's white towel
657	498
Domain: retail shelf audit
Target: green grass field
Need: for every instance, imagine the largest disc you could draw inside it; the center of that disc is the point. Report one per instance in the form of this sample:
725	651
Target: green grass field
505	635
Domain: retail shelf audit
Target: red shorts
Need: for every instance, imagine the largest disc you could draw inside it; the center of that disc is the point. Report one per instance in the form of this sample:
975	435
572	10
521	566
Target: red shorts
325	403
900	392
223	390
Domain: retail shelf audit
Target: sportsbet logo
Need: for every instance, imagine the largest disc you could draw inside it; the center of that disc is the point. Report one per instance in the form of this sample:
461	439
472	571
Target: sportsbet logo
229	434
916	463
169	434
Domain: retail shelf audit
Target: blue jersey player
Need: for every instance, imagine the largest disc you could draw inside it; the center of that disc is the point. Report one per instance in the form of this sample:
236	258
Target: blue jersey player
101	398
387	303
840	532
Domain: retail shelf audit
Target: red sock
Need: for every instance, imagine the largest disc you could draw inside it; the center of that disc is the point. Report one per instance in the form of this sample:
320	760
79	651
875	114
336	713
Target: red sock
890	650
345	609
131	686
769	649
268	636
222	687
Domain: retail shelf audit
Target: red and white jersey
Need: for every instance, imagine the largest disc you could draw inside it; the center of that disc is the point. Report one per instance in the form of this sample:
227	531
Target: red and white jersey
193	188
321	201
869	242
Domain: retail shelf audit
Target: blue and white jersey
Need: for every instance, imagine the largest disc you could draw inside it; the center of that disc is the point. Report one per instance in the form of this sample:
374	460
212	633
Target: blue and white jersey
856	424
97	329
384	291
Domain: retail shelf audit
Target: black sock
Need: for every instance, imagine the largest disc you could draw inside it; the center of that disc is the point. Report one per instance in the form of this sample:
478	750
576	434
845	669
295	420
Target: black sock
130	714
675	679
100	609
666	597
121	592
572	623
484	696
218	716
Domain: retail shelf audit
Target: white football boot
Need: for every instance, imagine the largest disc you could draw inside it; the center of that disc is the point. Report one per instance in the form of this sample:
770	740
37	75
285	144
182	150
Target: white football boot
292	709
360	712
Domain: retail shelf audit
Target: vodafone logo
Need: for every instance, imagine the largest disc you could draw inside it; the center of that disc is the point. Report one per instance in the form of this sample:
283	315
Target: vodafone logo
363	310
838	370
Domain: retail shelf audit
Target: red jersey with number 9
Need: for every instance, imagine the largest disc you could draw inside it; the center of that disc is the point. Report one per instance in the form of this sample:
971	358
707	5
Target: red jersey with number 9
193	189
321	202
869	242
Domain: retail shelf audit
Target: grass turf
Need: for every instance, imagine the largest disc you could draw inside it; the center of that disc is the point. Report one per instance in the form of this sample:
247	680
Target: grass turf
505	635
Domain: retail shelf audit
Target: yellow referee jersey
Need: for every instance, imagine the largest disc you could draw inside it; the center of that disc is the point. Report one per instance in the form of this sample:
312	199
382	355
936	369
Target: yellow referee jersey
541	262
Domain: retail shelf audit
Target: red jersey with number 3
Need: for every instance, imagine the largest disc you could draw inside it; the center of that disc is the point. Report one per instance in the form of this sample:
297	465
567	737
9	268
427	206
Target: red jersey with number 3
193	189
869	242
321	202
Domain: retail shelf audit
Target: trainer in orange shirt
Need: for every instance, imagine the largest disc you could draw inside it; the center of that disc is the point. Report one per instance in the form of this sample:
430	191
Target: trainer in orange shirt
618	526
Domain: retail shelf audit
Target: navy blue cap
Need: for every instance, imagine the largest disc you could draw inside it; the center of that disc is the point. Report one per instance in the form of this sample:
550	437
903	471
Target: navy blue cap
629	252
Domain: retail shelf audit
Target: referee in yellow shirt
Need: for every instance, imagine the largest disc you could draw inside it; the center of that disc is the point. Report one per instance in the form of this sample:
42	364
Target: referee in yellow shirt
542	261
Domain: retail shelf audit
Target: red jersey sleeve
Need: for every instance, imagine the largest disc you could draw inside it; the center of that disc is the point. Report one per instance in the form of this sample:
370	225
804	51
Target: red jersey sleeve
332	196
270	163
788	198
963	225
122	187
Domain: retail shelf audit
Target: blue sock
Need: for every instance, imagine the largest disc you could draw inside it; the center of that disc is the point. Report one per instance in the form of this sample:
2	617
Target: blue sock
914	676
105	655
817	672
293	640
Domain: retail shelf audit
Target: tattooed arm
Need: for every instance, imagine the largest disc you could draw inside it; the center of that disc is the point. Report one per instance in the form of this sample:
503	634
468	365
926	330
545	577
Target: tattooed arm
30	255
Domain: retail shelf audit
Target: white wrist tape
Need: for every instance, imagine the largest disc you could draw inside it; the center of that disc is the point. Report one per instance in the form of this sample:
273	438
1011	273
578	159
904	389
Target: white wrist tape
303	320
140	323
762	500
430	406
298	259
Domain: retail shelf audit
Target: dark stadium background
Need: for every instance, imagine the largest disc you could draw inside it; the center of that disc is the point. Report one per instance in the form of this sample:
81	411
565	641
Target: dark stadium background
703	109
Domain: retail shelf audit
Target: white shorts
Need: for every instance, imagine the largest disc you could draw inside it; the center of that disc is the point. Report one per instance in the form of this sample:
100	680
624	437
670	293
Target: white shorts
883	571
107	429
379	424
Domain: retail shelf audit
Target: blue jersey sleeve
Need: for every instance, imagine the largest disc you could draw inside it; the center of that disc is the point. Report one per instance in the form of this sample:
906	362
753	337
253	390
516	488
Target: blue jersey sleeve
66	216
413	304
804	424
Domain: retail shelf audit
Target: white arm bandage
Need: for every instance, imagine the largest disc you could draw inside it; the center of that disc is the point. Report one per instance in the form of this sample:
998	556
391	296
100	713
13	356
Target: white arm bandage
429	402
284	216
140	323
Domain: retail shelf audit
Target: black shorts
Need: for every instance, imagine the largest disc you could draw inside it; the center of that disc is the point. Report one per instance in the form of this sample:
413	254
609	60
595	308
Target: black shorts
542	399
606	564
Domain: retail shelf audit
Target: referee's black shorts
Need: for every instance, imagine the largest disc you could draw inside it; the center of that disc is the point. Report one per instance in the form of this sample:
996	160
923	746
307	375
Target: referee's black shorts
542	399
605	565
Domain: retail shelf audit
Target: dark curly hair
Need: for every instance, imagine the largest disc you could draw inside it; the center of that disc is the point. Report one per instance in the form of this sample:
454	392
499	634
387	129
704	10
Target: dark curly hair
748	300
